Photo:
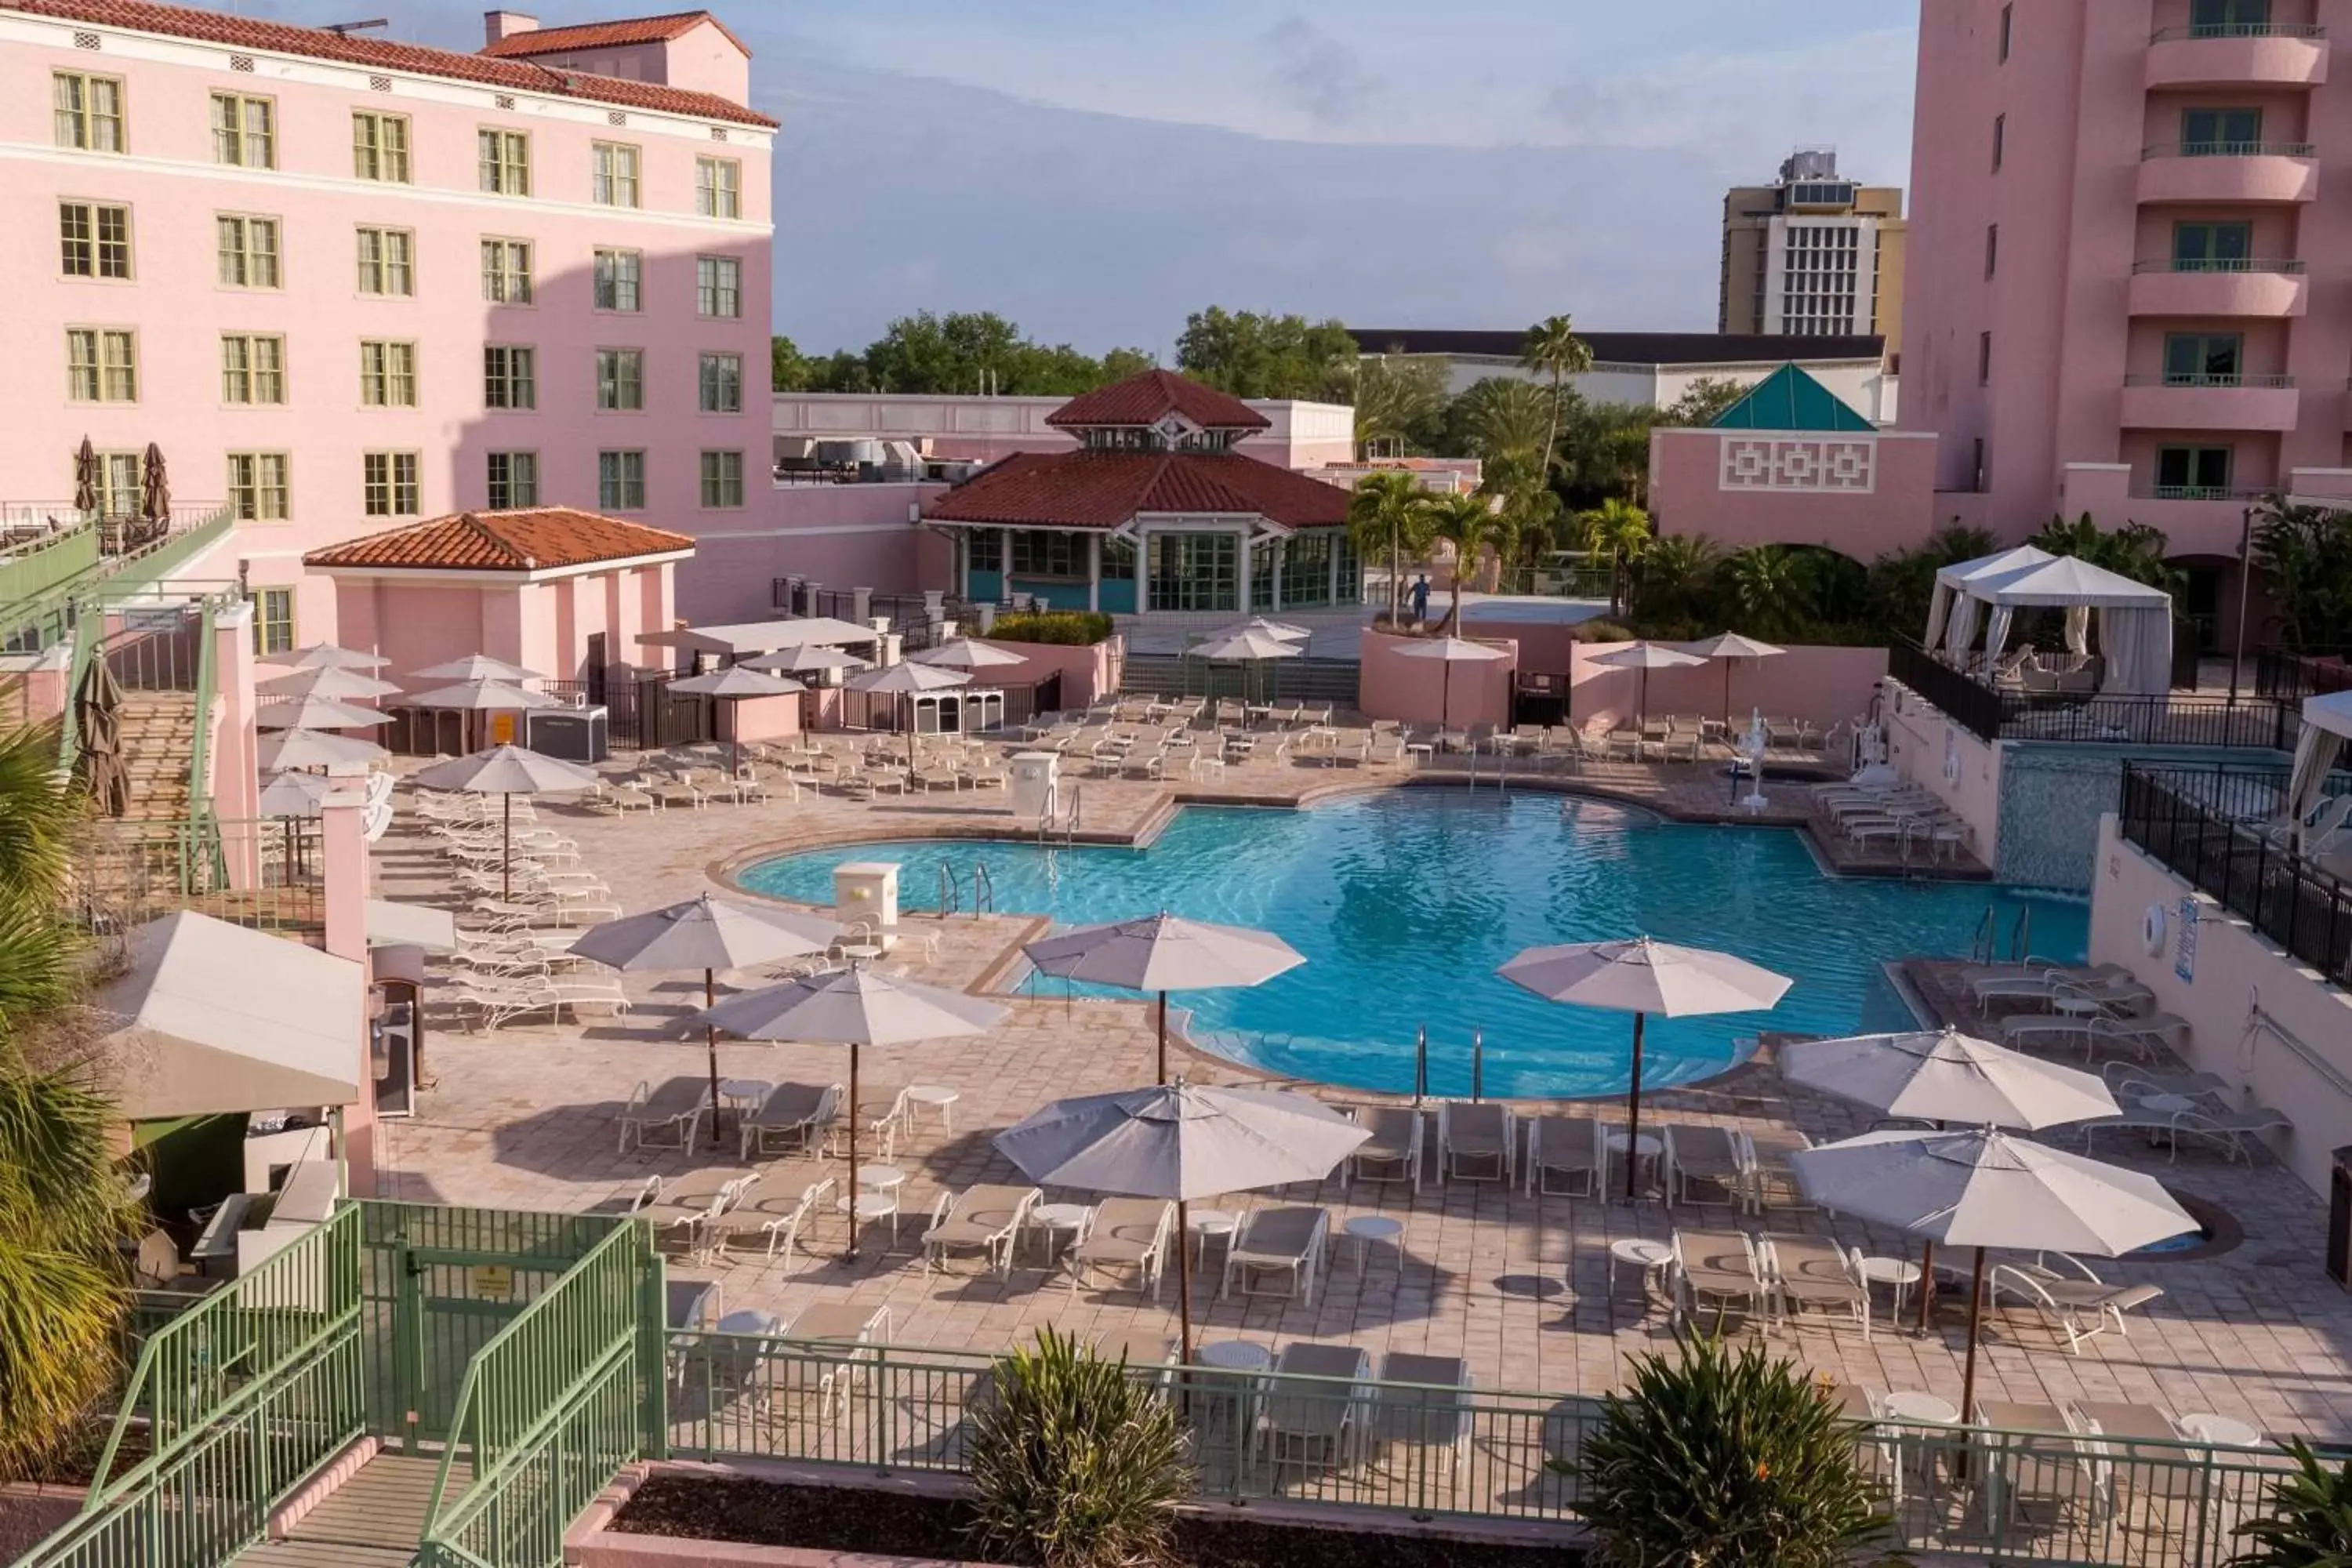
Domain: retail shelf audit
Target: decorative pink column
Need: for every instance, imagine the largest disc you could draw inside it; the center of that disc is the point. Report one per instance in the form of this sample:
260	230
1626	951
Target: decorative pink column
342	833
233	757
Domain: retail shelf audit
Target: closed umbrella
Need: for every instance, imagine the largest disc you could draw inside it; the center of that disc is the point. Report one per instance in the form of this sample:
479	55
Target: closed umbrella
96	721
313	749
733	685
1985	1189
506	772
1647	656
965	653
316	714
325	680
85	496
907	678
1449	651
1730	648
708	934
1179	1143
477	667
1642	977
326	656
155	491
853	1007
1164	954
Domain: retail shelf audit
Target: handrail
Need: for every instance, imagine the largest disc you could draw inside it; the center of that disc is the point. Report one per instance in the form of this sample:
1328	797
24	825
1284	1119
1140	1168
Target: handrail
2202	379
200	748
2217	264
2228	150
947	891
2239	30
983	890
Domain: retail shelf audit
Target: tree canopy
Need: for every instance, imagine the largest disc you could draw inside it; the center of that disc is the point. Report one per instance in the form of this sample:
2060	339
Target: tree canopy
961	352
1253	355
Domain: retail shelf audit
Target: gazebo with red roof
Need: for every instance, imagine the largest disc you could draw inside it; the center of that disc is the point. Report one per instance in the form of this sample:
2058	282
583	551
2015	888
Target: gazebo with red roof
1154	513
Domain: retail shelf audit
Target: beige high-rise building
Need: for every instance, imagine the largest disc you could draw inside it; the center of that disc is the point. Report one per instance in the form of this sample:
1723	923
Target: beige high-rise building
1814	255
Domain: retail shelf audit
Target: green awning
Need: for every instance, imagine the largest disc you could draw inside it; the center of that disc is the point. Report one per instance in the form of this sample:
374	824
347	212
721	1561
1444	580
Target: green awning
1789	399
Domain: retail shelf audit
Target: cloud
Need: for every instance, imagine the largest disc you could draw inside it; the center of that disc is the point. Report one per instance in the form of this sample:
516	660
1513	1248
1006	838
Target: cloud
1321	75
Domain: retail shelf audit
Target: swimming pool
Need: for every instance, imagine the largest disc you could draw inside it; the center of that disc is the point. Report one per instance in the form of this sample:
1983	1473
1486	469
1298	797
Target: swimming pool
1405	902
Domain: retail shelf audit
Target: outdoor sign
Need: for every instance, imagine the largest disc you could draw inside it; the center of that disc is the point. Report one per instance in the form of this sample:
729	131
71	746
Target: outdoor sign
2184	946
494	1282
502	729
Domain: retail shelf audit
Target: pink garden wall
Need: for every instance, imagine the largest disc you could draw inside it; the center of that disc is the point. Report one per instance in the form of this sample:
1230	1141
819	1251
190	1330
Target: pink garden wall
1822	686
1420	691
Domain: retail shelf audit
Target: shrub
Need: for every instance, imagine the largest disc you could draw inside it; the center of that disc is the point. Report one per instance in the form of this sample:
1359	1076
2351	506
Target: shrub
2309	1524
1067	628
1724	1460
1602	631
1077	1465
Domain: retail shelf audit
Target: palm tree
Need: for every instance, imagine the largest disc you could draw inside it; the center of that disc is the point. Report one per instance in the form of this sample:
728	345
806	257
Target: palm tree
1620	530
1674	572
1508	424
1388	509
1766	587
1553	350
1469	520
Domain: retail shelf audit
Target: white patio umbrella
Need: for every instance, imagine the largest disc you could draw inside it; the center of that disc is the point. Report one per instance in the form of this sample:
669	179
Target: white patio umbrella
708	934
506	772
1986	1189
481	694
1647	656
967	653
293	793
1730	648
853	1007
477	666
1179	1143
325	656
1642	977
1247	644
733	685
325	680
312	749
1451	650
1283	630
907	678
806	659
316	714
1164	954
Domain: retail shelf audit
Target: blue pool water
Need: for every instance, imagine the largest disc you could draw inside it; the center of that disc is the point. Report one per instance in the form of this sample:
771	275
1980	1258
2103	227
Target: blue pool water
1404	904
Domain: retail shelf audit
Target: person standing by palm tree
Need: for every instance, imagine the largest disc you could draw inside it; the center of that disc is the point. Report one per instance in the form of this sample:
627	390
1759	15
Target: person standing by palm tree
1554	351
1389	510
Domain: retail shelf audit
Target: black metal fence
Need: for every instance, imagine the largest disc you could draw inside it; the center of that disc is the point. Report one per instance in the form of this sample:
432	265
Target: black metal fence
2219	828
641	712
2171	718
1333	680
2291	675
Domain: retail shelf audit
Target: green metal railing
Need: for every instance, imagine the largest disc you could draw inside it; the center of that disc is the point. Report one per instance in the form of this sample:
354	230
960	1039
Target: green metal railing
35	566
44	615
200	753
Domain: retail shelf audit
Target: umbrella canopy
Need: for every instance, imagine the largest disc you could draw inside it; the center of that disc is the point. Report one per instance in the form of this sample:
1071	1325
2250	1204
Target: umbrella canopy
155	486
1647	656
482	696
325	680
85	496
1946	1076
293	795
477	666
965	653
736	682
1164	954
97	723
808	658
313	749
1730	648
326	656
1284	630
316	714
1450	650
907	679
1246	646
507	771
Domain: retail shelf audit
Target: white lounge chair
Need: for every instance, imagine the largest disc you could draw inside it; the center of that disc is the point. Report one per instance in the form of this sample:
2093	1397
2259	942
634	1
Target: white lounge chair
1425	1405
1317	1406
1718	1269
1565	1148
1812	1273
2072	1300
1771	1184
1481	1135
1123	1235
792	1120
773	1213
1392	1152
985	1219
1287	1241
663	1118
1711	1156
2237	1132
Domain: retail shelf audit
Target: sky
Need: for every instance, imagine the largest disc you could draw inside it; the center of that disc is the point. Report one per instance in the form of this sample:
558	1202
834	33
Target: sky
1096	172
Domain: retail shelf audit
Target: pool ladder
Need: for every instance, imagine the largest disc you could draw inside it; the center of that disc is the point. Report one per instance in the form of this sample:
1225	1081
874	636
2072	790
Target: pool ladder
984	890
947	894
1986	948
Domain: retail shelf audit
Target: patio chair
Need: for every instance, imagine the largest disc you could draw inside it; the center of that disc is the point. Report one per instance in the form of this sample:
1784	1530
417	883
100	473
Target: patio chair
1718	1268
1424	1404
665	1118
1567	1148
823	1348
792	1120
2125	1078
1812	1273
2032	1464
1707	1155
1287	1241
2237	1132
687	1225
1119	1235
2070	1297
1392	1152
1770	1182
1480	1136
2027	983
985	1219
774	1214
1317	1408
628	1199
881	1114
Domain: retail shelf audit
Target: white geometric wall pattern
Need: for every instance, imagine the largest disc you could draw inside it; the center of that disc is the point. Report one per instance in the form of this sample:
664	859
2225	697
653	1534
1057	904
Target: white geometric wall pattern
1844	465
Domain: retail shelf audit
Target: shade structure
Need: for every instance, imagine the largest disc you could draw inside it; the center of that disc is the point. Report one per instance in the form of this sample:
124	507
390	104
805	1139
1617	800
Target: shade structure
1283	630
1164	954
1176	1141
212	1018
1641	977
708	934
967	653
853	1007
1954	633
1647	656
907	679
1985	1189
733	685
477	666
316	714
1450	650
2135	619
313	749
2327	734
507	771
325	680
325	656
293	793
1731	647
808	658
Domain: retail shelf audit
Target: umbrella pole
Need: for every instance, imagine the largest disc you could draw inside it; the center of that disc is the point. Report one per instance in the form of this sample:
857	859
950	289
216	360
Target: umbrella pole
1163	1037
711	1044
1976	1311
506	859
850	1253
1727	694
1634	1119
1183	1284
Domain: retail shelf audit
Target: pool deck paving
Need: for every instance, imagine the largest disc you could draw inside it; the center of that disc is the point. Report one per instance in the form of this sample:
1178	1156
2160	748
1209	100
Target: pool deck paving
526	1116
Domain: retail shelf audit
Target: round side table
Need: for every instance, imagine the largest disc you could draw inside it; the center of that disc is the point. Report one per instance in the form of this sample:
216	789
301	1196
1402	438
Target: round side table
939	1096
1650	1257
1368	1228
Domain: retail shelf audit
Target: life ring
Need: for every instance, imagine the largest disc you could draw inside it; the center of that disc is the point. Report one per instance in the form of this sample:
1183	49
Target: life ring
2152	928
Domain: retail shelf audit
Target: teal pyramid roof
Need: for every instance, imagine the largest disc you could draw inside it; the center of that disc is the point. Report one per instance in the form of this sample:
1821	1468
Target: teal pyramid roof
1789	399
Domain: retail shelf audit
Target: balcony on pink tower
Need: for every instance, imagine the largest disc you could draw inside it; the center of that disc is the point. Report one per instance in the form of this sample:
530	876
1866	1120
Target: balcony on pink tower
2238	54
2210	402
2206	286
2229	171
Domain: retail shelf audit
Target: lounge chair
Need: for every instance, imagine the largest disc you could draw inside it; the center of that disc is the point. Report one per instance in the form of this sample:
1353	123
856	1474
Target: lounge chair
1124	1234
1712	1155
1480	1136
2237	1132
2016	983
665	1118
1568	1148
1812	1273
1392	1152
1320	1418
1718	1268
792	1120
2072	1298
774	1213
1771	1184
685	1224
1424	1404
2032	1465
827	1344
2139	1034
629	1199
985	1219
2133	1077
1286	1241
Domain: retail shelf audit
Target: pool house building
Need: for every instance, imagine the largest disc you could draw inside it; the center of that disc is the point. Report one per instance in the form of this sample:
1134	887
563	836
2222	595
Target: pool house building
1154	513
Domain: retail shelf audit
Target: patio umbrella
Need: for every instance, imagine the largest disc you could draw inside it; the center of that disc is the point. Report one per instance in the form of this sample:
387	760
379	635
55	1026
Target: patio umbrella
1246	645
1282	630
96	721
85	496
1730	648
1179	1143
1164	954
733	685
806	659
1647	656
1642	977
1984	1189
907	679
306	712
967	653
1451	651
326	656
154	489
325	680
853	1007
707	934
506	772
482	694
293	793
313	749
477	666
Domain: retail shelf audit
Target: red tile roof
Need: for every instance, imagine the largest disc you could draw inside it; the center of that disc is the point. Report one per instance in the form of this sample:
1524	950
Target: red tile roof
607	35
1104	489
383	54
1142	399
539	539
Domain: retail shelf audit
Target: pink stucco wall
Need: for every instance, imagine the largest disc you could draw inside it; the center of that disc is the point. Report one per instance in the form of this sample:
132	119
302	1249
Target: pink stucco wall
1087	673
1823	686
1963	771
1420	691
1544	645
1687	495
839	536
762	717
544	626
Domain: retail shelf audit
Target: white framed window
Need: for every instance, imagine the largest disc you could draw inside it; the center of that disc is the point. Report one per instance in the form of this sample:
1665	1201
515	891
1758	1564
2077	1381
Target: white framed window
506	271
388	259
620	380
257	490
618	277
121	481
94	240
621	481
718	187
380	146
248	250
388	484
613	177
253	368
510	376
718	383
87	111
513	480
102	364
245	131
273	620
387	374
504	158
723	479
718	286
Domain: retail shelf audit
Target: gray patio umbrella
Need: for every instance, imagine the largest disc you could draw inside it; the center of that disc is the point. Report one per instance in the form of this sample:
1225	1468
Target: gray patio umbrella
733	684
965	653
907	679
311	713
477	666
325	680
1176	1141
313	749
1247	645
806	659
1730	648
711	935
293	793
1164	954
481	694
506	772
326	656
1986	1189
1449	651
1647	656
1642	977
1283	630
853	1007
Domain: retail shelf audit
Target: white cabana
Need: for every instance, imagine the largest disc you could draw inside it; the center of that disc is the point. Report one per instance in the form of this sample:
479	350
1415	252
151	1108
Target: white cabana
2134	620
2327	735
1956	632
